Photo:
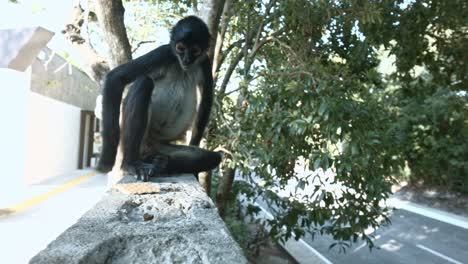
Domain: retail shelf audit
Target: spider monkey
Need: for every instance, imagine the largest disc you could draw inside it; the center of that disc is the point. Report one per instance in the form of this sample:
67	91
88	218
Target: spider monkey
161	105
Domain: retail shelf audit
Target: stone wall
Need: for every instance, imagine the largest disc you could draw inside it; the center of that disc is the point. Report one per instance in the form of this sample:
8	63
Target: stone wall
176	222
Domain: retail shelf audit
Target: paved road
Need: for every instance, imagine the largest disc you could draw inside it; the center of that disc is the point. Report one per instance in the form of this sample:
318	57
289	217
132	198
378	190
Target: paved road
412	238
24	234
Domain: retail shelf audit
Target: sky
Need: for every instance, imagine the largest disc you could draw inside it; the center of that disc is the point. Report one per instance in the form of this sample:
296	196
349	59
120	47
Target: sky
53	15
47	13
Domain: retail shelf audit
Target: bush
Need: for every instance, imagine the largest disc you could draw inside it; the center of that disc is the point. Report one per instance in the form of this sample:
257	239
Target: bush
434	131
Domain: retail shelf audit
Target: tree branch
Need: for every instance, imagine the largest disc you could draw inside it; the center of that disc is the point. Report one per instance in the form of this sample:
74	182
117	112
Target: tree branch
233	91
262	24
230	70
141	43
236	44
244	53
217	56
213	20
262	42
110	15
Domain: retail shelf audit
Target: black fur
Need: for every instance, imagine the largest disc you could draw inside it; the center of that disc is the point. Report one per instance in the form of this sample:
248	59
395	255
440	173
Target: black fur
205	105
114	85
145	72
135	105
191	30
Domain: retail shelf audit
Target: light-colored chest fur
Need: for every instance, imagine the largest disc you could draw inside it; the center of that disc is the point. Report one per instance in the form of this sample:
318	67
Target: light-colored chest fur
174	103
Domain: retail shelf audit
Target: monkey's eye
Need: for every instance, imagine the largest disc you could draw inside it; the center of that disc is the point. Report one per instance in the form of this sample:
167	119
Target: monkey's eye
180	48
196	51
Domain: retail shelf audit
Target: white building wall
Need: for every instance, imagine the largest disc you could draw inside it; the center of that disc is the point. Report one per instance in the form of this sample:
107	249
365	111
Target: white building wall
52	138
13	114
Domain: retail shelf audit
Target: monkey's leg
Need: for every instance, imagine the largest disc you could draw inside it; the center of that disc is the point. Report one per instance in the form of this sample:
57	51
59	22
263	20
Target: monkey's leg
184	159
135	118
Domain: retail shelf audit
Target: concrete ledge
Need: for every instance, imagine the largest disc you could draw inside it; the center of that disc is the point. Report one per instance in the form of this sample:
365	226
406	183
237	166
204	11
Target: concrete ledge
179	224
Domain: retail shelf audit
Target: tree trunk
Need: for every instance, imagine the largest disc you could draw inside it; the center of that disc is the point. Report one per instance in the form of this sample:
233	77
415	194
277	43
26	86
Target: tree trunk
219	37
224	188
95	66
211	12
204	178
110	14
205	181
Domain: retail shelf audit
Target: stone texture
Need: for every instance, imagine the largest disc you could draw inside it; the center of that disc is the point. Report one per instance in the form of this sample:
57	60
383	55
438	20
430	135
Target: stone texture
180	224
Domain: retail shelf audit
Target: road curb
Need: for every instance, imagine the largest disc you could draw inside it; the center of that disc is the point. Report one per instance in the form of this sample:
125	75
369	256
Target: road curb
436	214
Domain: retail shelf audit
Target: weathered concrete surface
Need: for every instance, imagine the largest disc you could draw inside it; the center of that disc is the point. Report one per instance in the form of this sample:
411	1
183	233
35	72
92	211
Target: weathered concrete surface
185	228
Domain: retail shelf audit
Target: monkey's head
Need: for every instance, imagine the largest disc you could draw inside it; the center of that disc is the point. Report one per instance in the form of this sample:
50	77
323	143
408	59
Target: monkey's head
190	40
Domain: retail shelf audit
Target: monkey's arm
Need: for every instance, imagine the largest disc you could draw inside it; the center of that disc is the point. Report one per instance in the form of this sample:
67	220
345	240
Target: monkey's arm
113	88
205	104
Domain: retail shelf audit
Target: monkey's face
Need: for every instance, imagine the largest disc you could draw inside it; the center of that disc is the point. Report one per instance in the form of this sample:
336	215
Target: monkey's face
190	40
187	54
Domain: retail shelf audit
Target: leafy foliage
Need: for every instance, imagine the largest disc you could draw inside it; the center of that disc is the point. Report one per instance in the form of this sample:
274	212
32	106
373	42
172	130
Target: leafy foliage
311	99
313	118
433	131
429	96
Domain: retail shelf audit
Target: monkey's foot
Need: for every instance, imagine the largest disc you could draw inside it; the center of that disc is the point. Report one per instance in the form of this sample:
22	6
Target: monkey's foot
151	166
144	171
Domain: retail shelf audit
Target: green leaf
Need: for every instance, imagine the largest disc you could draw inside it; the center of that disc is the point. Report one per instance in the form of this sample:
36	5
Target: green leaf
317	163
354	149
322	108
